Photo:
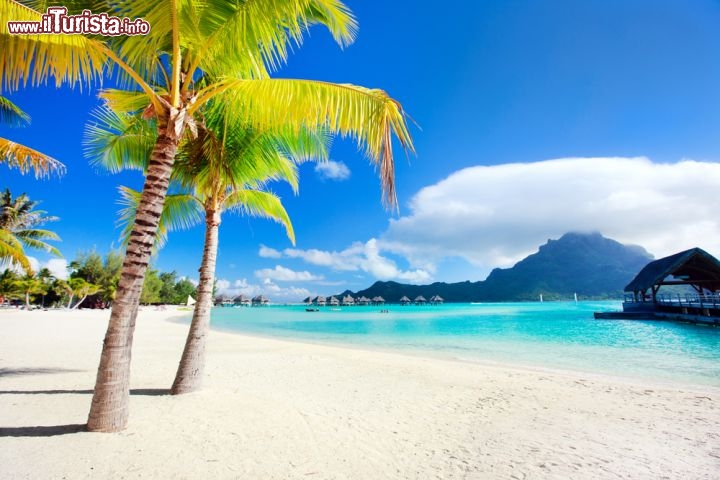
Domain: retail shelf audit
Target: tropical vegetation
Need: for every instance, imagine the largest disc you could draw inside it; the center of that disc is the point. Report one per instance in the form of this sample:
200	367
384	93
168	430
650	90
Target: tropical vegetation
194	53
19	220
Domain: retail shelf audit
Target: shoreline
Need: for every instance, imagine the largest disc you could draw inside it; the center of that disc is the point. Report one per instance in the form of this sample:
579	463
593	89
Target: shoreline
449	355
276	408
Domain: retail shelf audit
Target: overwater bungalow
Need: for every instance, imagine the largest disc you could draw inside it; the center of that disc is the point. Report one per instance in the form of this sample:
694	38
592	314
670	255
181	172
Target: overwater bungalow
362	300
420	300
319	301
405	301
242	301
348	300
260	301
223	301
333	302
436	300
694	294
378	300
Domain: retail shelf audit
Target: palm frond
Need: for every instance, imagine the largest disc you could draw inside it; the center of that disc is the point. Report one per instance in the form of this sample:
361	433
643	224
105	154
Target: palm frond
181	211
71	59
11	252
262	204
370	117
118	141
10	114
25	159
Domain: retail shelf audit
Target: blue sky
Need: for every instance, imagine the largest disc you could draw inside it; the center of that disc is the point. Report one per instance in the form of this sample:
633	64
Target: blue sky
536	117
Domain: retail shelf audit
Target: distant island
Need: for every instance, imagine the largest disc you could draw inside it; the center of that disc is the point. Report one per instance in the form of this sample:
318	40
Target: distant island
587	264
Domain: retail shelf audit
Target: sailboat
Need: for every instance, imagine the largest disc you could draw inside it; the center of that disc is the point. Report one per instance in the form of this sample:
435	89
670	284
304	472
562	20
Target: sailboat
190	301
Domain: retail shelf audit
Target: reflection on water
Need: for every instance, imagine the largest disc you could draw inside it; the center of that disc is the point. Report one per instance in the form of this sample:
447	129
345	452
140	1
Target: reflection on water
550	334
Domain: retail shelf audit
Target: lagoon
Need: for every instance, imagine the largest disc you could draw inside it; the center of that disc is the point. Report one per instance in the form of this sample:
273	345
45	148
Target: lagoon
547	335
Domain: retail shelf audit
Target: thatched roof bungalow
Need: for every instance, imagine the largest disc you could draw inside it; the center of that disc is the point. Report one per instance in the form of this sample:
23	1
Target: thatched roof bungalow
420	300
242	300
348	300
405	301
333	302
260	301
378	300
436	300
319	301
695	268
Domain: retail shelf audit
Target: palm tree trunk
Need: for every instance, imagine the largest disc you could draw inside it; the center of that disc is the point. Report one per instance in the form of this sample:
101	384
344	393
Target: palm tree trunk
110	402
79	303
70	301
192	364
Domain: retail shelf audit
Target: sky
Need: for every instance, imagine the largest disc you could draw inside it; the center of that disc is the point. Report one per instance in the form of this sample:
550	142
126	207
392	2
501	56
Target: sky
530	119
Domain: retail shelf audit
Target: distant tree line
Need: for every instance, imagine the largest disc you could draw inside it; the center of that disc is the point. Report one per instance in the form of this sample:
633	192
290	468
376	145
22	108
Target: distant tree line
92	283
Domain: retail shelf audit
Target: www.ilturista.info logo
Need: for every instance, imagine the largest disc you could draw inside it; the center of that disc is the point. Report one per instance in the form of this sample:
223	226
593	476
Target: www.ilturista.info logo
57	21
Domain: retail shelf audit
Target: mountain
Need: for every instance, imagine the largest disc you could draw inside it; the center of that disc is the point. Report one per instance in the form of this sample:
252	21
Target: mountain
587	264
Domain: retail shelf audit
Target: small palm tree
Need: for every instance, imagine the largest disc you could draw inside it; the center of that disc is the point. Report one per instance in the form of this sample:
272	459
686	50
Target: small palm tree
31	285
18	222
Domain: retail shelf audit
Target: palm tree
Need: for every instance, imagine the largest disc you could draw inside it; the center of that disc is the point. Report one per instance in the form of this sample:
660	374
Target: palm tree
31	285
224	168
79	287
18	219
194	53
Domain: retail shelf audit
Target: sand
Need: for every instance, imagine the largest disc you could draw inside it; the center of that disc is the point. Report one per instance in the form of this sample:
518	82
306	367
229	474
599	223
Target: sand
282	410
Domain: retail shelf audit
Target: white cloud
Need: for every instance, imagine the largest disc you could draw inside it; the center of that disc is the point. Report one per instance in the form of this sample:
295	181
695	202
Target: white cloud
496	215
57	267
268	288
282	274
331	170
364	257
267	252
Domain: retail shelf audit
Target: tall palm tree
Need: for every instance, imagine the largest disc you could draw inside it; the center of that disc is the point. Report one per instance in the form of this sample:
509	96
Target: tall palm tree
224	168
194	53
18	222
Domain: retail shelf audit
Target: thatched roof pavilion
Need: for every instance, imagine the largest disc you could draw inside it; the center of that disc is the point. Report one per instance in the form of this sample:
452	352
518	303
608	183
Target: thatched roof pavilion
348	300
405	300
695	268
378	300
333	302
363	300
319	300
436	299
419	300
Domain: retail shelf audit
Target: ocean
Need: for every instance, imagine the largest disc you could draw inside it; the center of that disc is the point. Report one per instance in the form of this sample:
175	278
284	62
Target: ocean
554	335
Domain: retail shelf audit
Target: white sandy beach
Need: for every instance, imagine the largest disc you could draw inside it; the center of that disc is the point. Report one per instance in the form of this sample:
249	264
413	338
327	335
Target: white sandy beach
281	410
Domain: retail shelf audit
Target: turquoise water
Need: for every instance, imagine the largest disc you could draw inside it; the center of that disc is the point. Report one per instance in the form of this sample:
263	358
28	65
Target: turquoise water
559	335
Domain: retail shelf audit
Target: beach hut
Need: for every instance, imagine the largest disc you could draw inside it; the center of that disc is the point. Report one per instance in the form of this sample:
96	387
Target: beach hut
363	300
405	301
436	300
319	301
378	300
347	300
420	300
260	301
333	302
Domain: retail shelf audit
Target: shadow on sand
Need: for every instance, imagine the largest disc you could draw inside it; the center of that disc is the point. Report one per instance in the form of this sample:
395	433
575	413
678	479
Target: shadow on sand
148	392
56	430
